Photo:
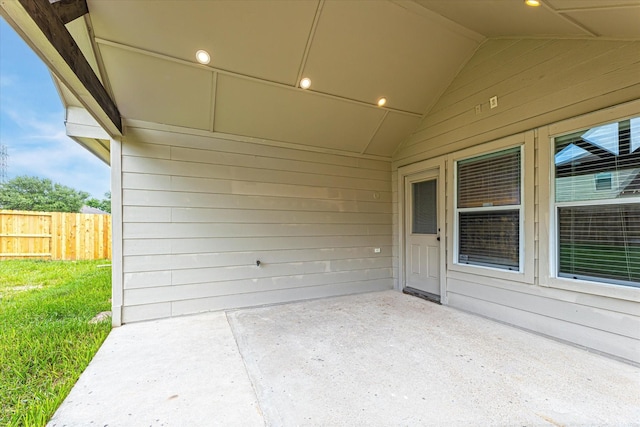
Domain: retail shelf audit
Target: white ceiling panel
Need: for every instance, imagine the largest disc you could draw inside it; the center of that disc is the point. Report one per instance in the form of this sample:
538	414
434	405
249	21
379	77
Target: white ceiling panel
250	108
396	127
354	52
617	23
365	50
494	18
264	39
590	4
157	90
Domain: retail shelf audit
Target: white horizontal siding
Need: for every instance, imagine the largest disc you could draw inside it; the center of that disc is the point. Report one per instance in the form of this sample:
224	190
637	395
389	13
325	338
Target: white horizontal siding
627	324
139	136
198	212
189	291
238	300
234	201
247	174
269	163
242	244
224	259
597	339
221	186
251	271
188	230
537	82
151	291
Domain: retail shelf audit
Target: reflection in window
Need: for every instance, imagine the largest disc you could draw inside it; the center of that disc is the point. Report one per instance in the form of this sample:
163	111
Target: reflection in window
635	133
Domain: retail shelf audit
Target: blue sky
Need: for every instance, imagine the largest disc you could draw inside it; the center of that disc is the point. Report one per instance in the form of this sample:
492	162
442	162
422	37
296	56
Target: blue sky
32	123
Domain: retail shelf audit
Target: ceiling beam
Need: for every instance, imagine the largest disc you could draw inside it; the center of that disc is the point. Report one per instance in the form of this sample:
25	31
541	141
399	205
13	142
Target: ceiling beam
39	25
312	33
69	10
570	20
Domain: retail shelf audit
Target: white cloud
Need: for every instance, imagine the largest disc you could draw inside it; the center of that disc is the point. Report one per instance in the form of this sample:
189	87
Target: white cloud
6	80
42	148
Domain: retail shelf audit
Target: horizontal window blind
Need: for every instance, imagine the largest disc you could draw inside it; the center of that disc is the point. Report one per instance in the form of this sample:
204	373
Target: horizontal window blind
490	180
490	238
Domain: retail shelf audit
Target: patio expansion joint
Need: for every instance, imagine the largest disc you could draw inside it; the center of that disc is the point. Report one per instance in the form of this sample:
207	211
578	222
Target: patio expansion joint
246	367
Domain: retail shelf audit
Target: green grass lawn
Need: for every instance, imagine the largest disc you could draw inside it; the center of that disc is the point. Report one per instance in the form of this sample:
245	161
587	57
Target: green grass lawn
46	340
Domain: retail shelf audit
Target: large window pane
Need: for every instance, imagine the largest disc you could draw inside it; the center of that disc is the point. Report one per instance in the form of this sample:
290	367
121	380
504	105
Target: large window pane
490	180
490	238
600	242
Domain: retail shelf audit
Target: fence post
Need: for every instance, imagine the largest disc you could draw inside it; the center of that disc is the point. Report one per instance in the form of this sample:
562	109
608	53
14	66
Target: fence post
53	240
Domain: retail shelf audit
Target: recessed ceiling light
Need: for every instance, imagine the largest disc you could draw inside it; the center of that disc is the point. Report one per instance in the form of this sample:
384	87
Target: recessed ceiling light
382	101
305	83
203	57
532	2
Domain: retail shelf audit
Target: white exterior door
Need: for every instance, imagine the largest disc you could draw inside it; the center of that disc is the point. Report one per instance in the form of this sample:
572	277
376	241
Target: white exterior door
422	233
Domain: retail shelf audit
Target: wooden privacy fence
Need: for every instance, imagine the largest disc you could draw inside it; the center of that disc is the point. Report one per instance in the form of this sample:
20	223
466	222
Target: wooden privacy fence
54	235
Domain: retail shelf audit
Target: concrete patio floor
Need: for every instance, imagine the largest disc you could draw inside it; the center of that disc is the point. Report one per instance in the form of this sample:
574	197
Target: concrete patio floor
377	359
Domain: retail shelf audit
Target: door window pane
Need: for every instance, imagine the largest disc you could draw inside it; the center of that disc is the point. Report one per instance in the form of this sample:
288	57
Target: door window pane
425	209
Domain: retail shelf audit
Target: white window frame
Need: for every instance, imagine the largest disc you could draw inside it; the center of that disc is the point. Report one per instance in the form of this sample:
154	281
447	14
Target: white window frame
548	274
525	274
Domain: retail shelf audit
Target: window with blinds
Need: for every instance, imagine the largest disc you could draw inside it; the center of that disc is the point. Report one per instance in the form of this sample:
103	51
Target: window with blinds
597	203
489	209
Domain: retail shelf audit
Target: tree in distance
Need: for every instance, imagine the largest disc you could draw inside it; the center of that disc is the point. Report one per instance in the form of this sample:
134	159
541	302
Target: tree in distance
30	193
103	205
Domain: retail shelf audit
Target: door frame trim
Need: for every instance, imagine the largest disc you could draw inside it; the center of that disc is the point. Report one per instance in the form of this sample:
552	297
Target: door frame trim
406	173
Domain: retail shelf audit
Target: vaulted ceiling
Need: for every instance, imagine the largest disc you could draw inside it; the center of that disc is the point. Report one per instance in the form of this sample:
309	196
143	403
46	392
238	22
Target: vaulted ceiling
354	53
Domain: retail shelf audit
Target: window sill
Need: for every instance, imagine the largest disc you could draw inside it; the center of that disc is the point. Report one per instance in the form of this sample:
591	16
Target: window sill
493	273
628	293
